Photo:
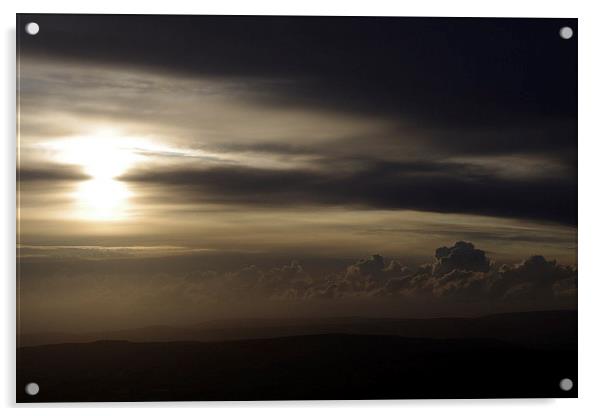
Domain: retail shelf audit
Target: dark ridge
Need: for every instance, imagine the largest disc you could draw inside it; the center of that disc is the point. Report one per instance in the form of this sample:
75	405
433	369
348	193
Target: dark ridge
539	329
333	366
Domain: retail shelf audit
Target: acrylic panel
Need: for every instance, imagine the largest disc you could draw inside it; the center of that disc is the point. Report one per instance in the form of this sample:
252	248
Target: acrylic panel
292	208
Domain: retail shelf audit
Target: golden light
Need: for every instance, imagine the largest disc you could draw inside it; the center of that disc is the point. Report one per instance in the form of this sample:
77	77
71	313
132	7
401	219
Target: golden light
104	157
102	199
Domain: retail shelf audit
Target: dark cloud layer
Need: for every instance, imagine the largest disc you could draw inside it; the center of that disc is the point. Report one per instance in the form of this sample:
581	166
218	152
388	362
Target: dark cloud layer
446	88
457	70
51	173
430	187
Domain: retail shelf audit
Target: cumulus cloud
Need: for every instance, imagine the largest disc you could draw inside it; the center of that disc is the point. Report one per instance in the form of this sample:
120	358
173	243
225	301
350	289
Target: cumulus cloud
371	273
376	267
534	278
461	285
460	273
461	256
464	273
290	280
458	276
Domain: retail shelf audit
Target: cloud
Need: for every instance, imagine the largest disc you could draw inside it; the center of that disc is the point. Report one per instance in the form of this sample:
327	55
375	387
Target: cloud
461	285
291	280
460	273
457	273
356	60
534	278
174	289
346	122
461	256
424	186
51	173
249	152
375	267
328	292
370	274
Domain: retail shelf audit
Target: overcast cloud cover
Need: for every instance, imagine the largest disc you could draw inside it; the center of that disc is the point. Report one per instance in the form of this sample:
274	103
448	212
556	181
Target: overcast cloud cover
289	148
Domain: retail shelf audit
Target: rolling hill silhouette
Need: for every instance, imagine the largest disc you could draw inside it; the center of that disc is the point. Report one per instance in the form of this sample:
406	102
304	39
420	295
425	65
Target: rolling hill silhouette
525	328
321	366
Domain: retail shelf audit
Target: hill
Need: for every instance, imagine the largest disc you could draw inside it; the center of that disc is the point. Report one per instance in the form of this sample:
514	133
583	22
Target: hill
333	366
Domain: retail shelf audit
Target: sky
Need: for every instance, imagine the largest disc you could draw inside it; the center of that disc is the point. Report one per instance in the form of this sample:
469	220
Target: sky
180	162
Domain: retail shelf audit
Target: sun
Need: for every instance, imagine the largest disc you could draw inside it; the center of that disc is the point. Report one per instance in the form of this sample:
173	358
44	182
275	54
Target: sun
102	199
103	156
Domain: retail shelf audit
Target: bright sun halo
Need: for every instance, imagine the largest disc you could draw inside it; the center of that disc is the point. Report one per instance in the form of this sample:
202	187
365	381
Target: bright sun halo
104	157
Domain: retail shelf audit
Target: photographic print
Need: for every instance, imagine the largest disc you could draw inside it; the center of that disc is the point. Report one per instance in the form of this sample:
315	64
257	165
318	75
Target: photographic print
295	208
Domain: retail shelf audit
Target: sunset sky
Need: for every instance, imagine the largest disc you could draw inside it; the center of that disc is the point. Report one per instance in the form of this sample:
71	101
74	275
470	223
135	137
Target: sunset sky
289	148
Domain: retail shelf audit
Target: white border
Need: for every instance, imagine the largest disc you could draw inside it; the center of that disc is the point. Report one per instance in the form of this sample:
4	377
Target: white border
590	191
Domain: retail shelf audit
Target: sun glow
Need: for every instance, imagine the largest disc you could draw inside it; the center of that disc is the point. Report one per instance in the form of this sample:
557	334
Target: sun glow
104	157
103	199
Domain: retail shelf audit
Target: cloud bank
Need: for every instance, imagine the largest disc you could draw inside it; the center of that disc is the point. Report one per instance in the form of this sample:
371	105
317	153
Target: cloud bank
57	294
435	187
460	273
